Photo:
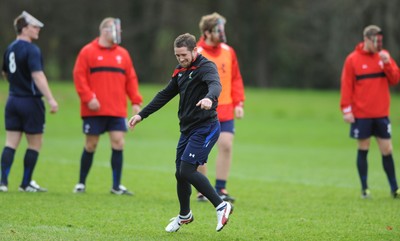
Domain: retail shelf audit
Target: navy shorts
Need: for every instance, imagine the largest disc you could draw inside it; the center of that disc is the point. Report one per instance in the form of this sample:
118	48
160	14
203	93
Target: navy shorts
25	114
195	147
228	126
96	125
366	127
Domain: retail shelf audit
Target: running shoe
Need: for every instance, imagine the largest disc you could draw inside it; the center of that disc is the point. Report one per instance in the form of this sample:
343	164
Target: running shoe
223	194
223	215
79	188
121	191
32	187
396	194
3	188
201	197
176	222
365	194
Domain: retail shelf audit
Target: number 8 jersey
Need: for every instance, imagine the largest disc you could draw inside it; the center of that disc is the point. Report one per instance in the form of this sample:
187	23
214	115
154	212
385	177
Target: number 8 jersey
21	59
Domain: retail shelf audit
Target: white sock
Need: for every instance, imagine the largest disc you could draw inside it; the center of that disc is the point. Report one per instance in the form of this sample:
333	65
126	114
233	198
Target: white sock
221	205
186	216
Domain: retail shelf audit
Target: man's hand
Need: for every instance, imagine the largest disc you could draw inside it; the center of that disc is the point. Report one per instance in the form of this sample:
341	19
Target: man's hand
53	106
385	56
94	104
239	112
205	104
135	109
348	117
133	121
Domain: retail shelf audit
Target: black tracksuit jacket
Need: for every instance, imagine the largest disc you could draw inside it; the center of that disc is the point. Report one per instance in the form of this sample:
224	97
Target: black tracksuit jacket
200	80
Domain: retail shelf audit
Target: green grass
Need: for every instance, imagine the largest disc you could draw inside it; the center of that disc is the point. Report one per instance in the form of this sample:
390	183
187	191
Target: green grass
293	175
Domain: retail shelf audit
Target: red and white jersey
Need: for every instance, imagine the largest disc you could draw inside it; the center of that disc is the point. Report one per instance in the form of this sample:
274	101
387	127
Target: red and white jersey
107	74
365	84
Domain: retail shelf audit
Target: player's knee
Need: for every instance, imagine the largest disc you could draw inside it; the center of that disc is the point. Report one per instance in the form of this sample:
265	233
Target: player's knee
225	147
91	147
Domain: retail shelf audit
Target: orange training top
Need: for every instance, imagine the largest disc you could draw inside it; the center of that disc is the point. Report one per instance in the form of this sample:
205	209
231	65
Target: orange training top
232	94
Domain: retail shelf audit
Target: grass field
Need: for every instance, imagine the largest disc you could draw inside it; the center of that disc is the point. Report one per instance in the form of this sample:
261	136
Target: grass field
294	177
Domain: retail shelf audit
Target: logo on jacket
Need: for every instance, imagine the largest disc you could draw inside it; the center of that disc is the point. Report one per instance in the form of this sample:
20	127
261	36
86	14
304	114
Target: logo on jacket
364	66
119	59
191	155
190	75
100	58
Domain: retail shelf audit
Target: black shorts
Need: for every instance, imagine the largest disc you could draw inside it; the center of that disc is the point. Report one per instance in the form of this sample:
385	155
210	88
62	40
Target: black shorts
364	128
96	125
25	114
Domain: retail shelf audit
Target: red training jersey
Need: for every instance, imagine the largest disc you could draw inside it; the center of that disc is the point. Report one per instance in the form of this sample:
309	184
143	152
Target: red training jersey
365	84
232	93
107	74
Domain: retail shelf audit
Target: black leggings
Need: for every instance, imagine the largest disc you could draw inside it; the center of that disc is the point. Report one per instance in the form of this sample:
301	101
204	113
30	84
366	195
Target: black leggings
188	175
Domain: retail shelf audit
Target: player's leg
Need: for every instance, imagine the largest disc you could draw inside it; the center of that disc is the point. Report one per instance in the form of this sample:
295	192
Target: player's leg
33	127
223	165
183	190
31	156
13	139
117	139
91	142
117	128
361	130
385	146
224	159
203	170
14	129
196	152
92	127
362	165
383	134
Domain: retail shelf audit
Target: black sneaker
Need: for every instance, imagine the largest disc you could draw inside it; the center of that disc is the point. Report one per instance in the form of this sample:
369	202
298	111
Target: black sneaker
396	194
32	187
223	194
365	194
201	197
121	191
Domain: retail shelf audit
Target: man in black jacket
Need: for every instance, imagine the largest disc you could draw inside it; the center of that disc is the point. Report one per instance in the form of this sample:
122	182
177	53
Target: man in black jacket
196	80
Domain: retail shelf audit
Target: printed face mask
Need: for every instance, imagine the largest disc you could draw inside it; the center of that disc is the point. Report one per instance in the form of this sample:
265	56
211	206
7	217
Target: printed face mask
220	29
116	31
377	41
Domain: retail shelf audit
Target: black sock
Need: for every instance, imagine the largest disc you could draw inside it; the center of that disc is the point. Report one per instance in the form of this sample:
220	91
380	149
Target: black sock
220	184
200	182
116	165
86	164
362	166
30	160
388	166
7	158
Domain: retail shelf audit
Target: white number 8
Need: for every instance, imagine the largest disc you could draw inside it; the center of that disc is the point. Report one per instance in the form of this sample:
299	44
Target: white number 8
12	66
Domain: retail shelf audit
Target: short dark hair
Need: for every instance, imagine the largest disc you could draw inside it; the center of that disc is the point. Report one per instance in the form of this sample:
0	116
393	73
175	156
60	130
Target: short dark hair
185	40
20	23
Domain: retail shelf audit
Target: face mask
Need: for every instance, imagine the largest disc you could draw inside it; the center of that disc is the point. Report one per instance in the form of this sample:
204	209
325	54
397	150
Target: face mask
220	29
32	20
377	41
116	31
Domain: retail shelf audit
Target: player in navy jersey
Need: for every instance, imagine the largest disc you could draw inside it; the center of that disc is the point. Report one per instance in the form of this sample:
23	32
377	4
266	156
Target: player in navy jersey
25	109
